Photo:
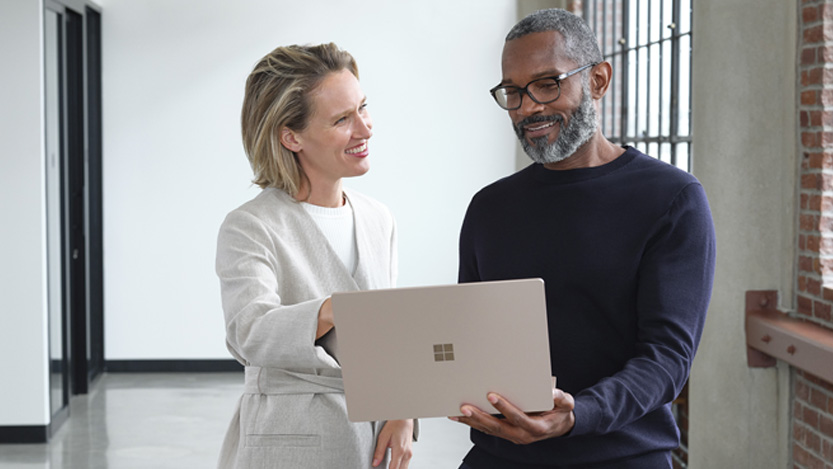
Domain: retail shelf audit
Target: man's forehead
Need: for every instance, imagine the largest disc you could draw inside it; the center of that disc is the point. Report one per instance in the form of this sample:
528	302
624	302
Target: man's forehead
535	54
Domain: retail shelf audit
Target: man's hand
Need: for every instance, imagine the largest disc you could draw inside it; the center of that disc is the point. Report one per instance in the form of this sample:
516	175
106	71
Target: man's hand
518	427
398	436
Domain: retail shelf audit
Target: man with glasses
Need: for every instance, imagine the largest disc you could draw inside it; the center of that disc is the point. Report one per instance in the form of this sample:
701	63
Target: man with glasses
625	244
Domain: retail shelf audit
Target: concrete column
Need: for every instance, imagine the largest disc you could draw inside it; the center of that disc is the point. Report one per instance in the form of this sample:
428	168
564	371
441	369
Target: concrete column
745	154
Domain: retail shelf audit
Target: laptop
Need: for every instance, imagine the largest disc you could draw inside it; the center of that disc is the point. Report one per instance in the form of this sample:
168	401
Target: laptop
422	352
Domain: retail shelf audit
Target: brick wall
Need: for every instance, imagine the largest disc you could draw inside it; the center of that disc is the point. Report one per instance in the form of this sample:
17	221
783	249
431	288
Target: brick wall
812	419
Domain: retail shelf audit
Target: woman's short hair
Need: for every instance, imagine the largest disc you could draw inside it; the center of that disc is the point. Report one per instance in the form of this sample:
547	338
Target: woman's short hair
278	96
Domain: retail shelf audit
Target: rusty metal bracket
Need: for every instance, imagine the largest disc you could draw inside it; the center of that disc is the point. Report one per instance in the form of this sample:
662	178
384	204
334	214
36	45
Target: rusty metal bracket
772	335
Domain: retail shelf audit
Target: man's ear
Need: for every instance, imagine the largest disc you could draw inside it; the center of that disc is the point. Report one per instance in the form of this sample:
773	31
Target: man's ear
290	140
600	79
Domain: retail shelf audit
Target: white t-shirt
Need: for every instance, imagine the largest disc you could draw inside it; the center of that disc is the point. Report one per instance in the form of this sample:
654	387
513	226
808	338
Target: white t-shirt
339	228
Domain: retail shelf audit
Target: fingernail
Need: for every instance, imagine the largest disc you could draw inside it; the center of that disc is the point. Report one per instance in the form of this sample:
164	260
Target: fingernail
492	398
454	419
466	411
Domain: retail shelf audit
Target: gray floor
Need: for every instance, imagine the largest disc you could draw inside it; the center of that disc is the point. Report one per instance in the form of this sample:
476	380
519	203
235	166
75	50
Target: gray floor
158	421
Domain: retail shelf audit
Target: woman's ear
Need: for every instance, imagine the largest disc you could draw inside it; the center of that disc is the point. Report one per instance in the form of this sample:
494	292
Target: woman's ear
290	140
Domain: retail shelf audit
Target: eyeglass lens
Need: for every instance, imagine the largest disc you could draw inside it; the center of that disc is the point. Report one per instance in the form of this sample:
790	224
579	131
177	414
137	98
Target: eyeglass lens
543	91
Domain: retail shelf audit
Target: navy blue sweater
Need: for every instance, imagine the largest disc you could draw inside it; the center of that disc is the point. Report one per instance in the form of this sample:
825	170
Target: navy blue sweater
627	253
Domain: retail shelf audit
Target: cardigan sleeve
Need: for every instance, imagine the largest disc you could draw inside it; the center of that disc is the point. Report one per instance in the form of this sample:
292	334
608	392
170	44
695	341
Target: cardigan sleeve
260	329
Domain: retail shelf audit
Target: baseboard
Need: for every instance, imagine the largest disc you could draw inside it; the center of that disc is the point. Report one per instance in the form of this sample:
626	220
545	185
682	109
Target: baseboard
171	366
24	434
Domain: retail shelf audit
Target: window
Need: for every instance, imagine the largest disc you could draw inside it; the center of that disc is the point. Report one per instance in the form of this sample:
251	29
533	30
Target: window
648	105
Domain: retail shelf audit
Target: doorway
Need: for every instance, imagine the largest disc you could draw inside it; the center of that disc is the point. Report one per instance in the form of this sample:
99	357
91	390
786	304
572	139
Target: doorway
72	68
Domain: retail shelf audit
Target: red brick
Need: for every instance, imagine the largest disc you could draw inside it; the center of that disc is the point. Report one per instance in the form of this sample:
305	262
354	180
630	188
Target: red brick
818	399
813	242
808	56
802	284
822	311
812	77
827	182
811	181
826	98
818	381
826	247
814	203
808	98
810	14
813	34
808	223
825	54
826	426
805	264
810	139
827	137
814	288
827	452
805	306
815	118
827	293
802	390
804	118
827	76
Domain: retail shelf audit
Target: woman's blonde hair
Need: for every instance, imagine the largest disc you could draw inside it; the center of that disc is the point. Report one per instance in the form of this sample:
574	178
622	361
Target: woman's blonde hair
277	97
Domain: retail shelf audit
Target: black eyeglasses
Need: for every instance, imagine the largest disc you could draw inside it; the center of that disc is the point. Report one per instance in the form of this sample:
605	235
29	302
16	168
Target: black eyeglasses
542	90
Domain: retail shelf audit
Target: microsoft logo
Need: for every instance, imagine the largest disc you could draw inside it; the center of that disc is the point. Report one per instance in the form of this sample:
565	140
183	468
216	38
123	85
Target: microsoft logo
443	352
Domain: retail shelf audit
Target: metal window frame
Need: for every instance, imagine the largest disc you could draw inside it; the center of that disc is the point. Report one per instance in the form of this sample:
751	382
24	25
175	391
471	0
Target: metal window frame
603	14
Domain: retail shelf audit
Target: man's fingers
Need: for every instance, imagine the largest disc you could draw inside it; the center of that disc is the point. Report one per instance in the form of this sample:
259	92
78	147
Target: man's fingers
513	414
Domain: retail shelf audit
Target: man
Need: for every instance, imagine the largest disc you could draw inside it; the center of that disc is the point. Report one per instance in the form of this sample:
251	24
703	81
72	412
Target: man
625	244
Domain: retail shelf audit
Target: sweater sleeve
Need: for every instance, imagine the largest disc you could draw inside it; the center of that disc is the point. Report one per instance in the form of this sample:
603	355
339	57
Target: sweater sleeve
467	261
674	289
260	329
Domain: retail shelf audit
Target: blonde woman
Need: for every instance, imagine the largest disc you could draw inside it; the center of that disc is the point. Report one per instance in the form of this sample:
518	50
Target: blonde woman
282	254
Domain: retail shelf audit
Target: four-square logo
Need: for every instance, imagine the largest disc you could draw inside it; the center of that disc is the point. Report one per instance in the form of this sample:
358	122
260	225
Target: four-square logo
443	352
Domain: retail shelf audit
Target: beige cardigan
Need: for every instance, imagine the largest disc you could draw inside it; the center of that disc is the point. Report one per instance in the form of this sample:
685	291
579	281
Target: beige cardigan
276	268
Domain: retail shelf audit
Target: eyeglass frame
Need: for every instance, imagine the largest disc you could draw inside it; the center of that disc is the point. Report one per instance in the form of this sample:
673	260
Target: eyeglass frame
525	90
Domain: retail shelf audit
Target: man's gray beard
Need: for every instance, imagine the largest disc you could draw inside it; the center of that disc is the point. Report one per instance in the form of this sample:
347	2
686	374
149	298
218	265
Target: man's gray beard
577	132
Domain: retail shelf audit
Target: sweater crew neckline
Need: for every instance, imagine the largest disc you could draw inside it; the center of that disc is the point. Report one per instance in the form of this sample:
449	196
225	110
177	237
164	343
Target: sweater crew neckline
553	176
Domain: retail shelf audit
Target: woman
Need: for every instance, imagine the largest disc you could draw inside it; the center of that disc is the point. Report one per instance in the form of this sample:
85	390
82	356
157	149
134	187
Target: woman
280	256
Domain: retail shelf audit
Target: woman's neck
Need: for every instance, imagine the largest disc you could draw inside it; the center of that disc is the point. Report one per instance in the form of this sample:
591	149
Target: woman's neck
329	195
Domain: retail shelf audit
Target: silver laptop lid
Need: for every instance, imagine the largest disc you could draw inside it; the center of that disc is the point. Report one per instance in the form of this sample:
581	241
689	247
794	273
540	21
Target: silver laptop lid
421	352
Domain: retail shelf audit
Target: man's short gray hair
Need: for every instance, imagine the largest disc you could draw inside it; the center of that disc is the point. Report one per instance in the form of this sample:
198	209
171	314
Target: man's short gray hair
580	44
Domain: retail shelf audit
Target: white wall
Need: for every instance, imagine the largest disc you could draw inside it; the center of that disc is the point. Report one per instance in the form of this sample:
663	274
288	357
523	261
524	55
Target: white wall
745	154
23	355
174	166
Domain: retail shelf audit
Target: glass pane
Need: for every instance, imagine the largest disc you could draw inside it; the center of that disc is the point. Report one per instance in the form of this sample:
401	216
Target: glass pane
632	28
667	19
642	93
632	95
684	156
642	21
684	127
665	152
654	88
665	104
685	16
655	24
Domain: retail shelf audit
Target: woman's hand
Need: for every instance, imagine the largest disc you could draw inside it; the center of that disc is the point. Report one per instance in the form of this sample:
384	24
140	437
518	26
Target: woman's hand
325	319
398	436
